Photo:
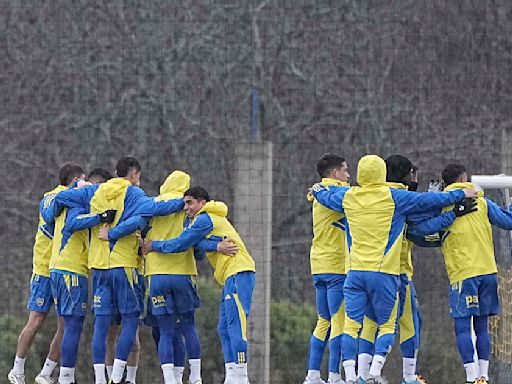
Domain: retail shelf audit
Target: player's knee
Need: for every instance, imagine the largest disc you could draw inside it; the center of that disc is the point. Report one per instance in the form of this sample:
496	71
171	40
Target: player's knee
462	325
112	335
187	319
352	327
322	328
481	324
35	322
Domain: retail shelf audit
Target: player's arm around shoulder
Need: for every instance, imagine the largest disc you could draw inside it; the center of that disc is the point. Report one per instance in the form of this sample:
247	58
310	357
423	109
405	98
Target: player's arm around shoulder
201	226
330	196
498	216
78	219
413	202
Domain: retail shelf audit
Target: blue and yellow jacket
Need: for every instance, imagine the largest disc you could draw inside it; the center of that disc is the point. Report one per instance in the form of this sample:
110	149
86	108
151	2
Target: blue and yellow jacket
376	215
467	244
328	248
42	250
70	249
133	210
168	227
211	221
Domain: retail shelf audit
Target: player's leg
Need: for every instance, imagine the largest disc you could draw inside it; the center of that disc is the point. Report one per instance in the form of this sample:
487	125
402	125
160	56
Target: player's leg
39	303
133	361
354	292
186	301
409	338
222	330
44	377
337	316
366	347
179	353
103	309
237	303
126	300
383	289
464	305
320	335
193	347
489	305
133	358
113	332
70	293
160	291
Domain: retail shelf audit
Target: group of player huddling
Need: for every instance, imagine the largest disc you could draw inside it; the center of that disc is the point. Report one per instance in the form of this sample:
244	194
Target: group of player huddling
109	228
362	268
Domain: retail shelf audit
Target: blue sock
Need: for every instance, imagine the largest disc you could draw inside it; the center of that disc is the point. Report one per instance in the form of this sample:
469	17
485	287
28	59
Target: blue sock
384	343
348	347
70	341
222	330
463	337
178	347
483	341
408	348
166	324
99	337
335	354
188	328
316	352
129	325
366	347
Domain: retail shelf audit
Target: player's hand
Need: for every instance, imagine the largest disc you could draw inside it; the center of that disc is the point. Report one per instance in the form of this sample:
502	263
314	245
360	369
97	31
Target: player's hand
470	193
108	216
435	186
82	183
464	207
103	235
227	247
147	247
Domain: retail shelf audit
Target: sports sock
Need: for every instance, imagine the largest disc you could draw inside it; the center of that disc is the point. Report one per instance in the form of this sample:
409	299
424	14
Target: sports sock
109	371
349	367
364	361
48	368
409	369
99	374
66	375
178	373
131	374
484	369
118	370
195	370
471	371
168	372
313	374
19	366
377	365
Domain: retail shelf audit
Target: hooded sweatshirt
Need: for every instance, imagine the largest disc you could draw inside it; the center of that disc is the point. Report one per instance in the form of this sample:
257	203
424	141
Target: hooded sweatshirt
211	222
42	250
328	248
168	227
468	247
376	215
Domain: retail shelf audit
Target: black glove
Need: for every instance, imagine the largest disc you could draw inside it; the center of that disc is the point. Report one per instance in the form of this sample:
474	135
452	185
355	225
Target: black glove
464	207
108	216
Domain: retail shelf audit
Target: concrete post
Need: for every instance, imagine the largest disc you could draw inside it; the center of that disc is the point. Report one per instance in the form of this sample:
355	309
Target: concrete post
253	220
